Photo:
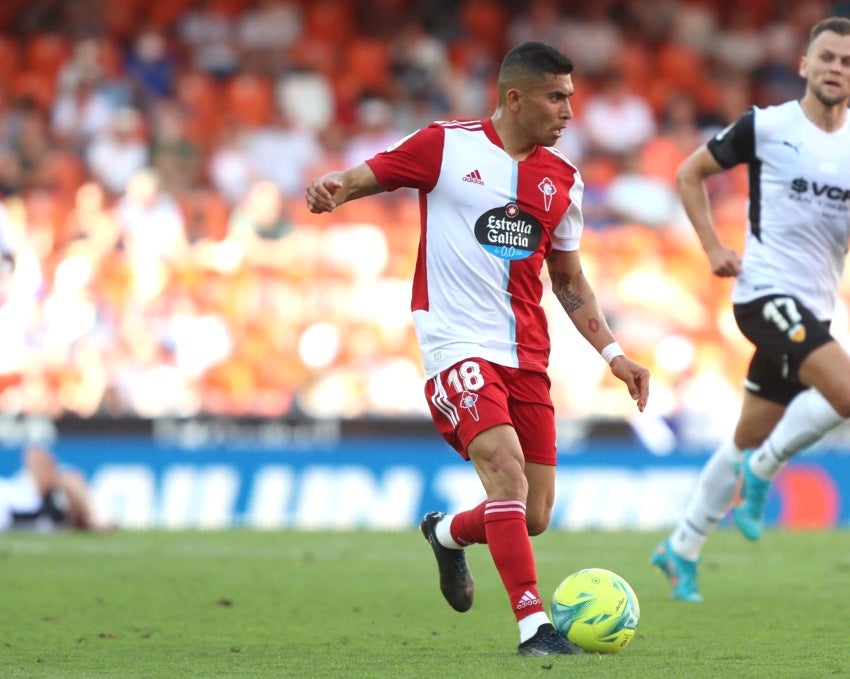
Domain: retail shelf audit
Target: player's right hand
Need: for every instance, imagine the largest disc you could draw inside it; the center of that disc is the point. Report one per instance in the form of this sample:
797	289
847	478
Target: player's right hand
320	193
725	262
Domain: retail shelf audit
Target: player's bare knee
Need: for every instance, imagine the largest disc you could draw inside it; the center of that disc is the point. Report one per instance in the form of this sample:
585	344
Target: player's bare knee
537	524
841	403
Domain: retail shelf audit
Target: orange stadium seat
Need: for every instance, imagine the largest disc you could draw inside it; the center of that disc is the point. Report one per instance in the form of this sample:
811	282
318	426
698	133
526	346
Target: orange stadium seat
9	60
67	172
47	52
165	14
248	98
317	54
231	8
680	65
329	20
367	61
121	19
485	20
36	86
200	95
8	10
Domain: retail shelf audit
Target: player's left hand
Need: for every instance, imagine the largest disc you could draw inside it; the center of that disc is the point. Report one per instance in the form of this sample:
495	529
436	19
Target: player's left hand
636	378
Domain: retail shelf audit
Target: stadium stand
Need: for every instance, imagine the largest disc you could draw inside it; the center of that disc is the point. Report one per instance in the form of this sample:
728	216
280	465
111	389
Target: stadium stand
195	93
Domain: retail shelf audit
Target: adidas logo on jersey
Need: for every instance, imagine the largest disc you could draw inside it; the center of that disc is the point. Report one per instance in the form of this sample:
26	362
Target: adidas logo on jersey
474	177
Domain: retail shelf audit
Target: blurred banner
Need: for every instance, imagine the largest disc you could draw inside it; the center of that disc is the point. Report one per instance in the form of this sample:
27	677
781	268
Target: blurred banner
309	475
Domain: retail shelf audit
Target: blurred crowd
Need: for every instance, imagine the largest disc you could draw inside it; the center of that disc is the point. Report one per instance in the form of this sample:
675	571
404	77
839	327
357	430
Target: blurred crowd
153	155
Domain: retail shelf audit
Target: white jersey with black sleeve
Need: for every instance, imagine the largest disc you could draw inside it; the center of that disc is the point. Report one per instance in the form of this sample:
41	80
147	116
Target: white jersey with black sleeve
799	206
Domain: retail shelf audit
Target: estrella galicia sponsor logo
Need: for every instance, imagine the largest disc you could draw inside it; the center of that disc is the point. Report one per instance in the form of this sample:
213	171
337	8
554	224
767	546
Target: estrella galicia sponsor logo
508	232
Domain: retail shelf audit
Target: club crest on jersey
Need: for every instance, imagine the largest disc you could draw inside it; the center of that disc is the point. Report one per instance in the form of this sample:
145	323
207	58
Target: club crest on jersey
548	189
468	401
797	333
508	232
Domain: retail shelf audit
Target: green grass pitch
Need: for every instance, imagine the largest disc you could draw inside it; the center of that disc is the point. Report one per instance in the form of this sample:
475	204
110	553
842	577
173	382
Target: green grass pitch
287	604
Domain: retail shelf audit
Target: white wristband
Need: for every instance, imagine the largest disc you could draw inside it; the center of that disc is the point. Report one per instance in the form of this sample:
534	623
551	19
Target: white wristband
611	351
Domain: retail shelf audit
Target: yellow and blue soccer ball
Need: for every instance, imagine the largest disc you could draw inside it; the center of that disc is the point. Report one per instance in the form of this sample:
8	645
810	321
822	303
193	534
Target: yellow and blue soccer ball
597	610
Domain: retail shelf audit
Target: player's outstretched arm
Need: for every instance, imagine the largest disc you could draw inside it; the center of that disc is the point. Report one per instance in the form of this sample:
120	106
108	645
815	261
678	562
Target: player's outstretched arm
325	193
579	301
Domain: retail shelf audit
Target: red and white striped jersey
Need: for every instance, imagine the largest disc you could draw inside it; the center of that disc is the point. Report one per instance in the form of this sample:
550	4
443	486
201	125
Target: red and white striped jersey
488	223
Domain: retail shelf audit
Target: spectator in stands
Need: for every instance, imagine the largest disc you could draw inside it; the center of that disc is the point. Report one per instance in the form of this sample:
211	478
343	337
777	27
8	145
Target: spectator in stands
151	223
374	132
266	147
91	223
80	113
229	165
177	160
150	67
32	148
44	496
264	32
419	64
210	37
538	20
306	97
116	155
591	34
617	120
258	224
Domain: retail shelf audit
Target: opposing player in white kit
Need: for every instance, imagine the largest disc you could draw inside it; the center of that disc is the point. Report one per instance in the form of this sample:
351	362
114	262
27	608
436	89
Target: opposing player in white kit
798	383
45	497
496	202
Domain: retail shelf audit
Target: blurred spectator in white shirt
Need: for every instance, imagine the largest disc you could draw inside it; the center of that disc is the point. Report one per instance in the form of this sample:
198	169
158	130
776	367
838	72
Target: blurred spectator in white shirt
592	39
80	113
616	120
150	221
306	98
116	155
281	152
229	165
374	133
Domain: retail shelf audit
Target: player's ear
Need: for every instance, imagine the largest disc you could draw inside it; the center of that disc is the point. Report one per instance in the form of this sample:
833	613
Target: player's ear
803	64
512	98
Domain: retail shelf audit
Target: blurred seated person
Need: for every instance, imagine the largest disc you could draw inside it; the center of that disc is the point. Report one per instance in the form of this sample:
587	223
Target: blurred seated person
45	497
257	224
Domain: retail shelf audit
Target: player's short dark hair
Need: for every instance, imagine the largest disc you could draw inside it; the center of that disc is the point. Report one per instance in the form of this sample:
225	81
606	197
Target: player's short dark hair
839	25
535	58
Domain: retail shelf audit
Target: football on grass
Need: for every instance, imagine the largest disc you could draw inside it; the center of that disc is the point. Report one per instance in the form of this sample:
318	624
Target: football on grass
597	610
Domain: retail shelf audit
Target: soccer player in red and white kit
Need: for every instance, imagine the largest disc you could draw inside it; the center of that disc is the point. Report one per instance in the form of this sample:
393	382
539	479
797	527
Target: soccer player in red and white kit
496	201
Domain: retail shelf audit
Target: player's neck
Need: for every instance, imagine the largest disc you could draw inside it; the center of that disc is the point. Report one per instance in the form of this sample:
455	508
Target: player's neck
827	118
513	141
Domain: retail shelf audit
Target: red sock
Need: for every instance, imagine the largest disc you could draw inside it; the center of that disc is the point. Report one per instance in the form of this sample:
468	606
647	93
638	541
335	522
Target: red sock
510	547
468	527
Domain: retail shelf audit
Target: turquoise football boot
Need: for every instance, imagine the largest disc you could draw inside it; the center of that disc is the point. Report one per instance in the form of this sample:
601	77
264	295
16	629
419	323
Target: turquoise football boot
749	515
681	572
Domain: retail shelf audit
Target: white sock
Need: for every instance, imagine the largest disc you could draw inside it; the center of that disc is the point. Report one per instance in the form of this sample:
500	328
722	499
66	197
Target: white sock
808	417
709	502
529	625
444	534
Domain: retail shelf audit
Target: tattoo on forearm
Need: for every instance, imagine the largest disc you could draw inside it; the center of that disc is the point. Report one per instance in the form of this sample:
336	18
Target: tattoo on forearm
569	299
